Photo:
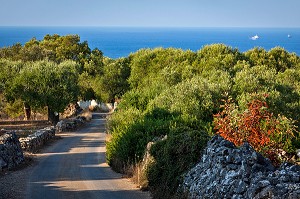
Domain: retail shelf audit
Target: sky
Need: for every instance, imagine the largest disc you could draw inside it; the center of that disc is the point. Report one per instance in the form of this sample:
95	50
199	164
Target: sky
151	13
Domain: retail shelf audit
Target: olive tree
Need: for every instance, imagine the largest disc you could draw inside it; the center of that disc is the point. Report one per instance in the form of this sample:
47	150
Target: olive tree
41	84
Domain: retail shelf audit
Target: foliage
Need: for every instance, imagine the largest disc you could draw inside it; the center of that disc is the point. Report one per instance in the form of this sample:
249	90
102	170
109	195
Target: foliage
173	156
39	84
288	89
129	138
94	64
53	47
189	87
277	58
257	57
256	125
254	79
14	109
170	63
86	85
282	89
56	48
113	82
216	57
191	99
8	70
60	48
13	53
281	59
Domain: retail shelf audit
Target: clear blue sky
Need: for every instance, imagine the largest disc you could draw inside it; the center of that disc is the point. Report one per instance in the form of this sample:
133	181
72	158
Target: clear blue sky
166	13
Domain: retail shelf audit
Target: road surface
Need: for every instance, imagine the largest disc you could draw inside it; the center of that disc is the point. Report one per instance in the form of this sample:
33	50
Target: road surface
74	167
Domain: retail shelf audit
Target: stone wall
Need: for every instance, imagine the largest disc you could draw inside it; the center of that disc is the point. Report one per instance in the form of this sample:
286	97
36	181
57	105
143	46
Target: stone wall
36	140
11	154
11	147
226	171
69	124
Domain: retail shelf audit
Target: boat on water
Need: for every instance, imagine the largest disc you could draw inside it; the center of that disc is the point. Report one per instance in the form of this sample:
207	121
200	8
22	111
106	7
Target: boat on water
289	36
255	37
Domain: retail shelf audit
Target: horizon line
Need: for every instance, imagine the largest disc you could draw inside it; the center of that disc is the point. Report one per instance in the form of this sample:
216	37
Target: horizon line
94	26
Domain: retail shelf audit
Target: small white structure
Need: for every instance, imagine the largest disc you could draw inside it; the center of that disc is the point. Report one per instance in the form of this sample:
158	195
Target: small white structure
255	37
84	104
106	107
87	104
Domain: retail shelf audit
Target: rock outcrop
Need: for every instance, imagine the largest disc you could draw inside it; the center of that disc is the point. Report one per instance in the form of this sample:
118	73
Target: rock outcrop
11	154
226	171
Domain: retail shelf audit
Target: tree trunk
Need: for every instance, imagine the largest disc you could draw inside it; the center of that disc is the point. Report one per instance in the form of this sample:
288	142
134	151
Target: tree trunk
27	111
53	117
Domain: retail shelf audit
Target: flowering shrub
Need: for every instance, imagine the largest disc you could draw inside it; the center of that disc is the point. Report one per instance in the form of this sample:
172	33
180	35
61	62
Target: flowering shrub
266	133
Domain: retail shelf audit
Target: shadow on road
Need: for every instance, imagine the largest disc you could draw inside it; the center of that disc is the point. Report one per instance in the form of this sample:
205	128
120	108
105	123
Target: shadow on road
101	194
75	167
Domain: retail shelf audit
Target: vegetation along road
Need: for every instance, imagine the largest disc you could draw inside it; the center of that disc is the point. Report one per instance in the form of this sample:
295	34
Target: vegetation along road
75	167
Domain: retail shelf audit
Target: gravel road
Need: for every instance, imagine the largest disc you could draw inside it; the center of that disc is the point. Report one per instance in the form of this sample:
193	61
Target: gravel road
75	167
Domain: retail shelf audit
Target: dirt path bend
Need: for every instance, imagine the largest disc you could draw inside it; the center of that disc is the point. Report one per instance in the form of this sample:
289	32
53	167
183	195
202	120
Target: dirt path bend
74	167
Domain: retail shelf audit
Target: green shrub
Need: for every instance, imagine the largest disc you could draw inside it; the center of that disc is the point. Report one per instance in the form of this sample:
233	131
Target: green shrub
194	99
118	125
14	109
172	157
122	119
129	139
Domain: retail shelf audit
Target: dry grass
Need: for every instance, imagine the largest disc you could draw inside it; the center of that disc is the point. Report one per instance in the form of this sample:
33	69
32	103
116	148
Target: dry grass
108	137
139	176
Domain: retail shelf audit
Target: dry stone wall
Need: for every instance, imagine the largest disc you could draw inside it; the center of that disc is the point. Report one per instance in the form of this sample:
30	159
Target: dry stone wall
11	147
226	171
36	140
11	154
70	124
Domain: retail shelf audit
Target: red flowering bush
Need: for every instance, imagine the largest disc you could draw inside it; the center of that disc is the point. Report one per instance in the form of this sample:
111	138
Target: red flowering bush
266	133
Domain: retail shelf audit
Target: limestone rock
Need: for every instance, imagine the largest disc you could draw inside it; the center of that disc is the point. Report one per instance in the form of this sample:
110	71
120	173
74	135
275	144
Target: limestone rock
226	171
36	140
11	154
70	124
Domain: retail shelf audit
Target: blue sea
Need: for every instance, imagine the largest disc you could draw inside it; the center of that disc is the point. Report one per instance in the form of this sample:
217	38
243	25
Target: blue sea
117	42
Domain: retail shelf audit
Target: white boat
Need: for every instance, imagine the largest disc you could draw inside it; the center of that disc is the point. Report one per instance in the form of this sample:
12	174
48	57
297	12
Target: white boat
255	37
289	36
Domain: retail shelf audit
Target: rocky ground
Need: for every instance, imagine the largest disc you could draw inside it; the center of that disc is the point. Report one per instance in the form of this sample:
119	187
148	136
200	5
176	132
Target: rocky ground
13	183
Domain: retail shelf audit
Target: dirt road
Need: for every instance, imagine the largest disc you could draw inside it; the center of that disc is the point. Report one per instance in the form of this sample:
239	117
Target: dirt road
75	167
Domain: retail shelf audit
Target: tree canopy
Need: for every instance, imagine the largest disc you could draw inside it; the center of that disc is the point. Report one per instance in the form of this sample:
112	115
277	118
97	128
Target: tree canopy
45	84
41	70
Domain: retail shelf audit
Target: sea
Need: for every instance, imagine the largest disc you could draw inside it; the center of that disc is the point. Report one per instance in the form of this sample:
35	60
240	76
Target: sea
117	42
